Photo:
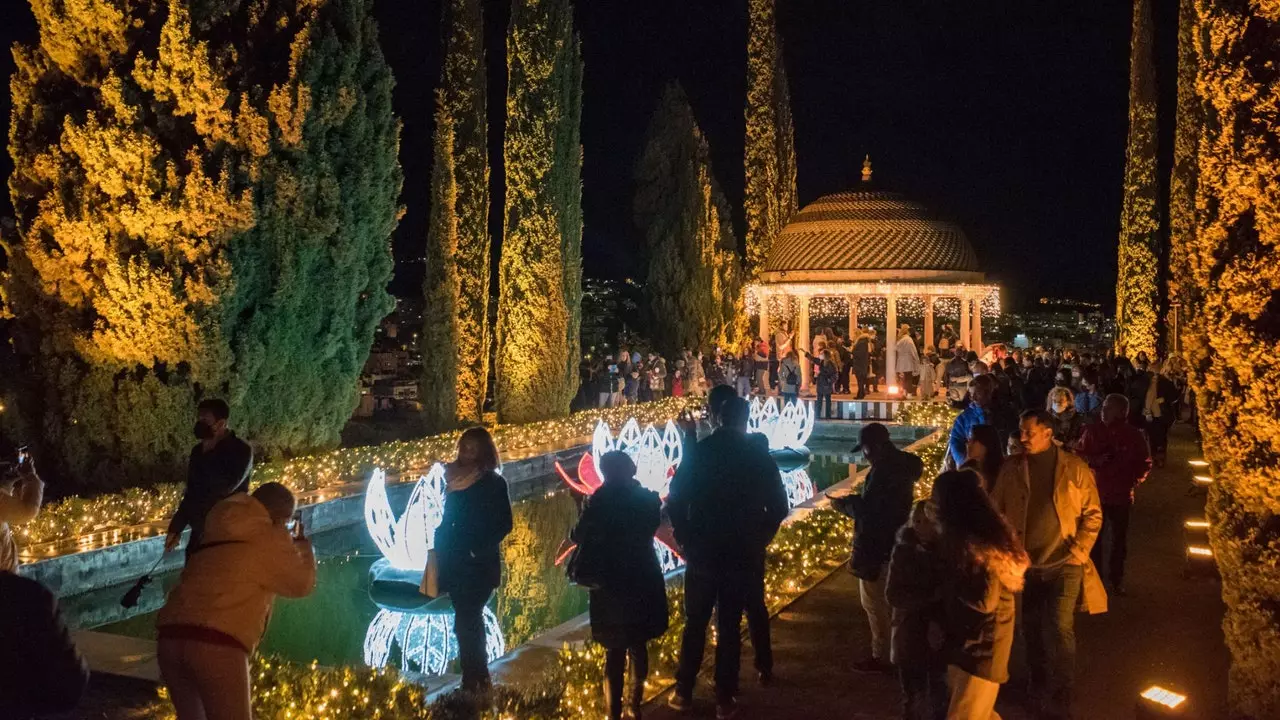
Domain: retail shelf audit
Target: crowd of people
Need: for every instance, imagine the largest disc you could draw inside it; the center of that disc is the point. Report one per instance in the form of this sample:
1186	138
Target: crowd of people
1035	498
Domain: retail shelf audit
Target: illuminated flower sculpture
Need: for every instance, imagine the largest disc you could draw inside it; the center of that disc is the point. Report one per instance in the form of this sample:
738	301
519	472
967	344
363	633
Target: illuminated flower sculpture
404	542
426	640
656	455
787	429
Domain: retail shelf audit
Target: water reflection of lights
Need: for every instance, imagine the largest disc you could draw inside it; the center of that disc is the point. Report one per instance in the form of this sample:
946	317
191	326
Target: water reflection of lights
426	641
788	428
404	541
799	486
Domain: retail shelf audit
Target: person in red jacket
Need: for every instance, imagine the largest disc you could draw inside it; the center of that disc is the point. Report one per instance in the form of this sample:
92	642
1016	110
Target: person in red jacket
1120	458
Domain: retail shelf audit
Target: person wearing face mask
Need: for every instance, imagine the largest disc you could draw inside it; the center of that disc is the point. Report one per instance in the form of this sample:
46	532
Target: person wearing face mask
219	466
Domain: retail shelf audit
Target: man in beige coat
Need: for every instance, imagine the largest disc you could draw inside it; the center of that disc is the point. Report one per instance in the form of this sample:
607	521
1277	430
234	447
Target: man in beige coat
1050	498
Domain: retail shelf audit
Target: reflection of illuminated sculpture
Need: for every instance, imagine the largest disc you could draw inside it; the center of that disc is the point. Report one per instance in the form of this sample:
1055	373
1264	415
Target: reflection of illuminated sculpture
426	640
788	429
799	487
404	542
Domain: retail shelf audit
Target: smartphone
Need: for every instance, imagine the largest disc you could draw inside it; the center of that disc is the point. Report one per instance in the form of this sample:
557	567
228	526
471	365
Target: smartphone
296	522
23	456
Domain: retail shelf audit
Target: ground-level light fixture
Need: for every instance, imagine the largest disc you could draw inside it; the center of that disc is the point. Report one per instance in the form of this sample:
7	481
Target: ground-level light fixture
1195	524
1199	551
1202	480
1161	702
1198	463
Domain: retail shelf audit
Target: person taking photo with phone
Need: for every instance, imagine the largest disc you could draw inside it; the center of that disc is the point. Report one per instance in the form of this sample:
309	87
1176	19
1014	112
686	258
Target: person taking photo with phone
21	494
217	613
219	466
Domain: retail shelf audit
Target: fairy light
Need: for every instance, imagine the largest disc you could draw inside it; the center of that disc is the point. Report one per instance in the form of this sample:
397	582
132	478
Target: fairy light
77	523
827	302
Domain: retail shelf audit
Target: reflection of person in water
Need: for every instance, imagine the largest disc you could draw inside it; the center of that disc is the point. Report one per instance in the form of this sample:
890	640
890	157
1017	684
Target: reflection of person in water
477	516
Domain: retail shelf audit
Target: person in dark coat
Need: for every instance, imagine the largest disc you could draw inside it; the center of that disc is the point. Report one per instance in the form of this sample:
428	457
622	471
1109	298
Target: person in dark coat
219	466
477	516
861	361
984	564
878	511
914	591
725	505
629	607
43	672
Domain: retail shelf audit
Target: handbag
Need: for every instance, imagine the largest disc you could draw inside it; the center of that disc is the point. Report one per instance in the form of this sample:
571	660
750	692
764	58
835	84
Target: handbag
583	569
431	576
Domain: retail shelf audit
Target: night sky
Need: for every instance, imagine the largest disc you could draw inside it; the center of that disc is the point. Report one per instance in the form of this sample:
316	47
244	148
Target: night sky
1009	117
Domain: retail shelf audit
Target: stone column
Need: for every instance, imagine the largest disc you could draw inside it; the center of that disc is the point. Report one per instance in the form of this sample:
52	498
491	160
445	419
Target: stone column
964	323
890	341
853	315
801	340
764	317
928	321
977	326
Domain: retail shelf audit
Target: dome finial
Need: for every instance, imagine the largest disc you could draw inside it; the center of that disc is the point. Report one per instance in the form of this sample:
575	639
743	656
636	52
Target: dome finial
866	169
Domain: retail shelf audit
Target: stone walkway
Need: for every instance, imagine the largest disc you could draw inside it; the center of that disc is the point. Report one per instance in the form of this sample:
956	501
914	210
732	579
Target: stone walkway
1167	630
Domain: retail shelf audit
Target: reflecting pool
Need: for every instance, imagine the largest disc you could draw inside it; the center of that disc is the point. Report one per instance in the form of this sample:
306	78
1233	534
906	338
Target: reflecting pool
349	620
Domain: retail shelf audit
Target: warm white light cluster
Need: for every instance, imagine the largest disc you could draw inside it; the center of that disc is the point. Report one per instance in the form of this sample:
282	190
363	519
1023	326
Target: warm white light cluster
404	541
426	640
788	428
827	304
656	455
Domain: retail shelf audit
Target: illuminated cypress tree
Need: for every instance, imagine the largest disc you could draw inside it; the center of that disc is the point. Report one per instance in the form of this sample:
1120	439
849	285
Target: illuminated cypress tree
763	184
442	357
788	202
204	208
455	339
1234	257
539	275
1139	218
1182	183
693	266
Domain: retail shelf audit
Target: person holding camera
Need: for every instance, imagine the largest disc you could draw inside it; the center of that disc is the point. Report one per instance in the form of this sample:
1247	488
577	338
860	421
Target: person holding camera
217	613
219	466
21	494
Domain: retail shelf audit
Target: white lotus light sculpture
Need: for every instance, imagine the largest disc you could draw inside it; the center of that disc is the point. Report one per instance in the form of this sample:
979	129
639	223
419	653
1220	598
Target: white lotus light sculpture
404	541
800	488
656	455
426	640
786	429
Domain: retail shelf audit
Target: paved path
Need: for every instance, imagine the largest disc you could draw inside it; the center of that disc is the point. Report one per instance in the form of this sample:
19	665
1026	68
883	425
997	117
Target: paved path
1167	630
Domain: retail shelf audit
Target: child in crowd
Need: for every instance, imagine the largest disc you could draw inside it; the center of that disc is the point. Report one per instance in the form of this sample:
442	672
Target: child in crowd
913	589
631	391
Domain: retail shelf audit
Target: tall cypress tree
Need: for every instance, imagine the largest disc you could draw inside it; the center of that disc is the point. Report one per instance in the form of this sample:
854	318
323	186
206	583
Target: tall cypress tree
1182	183
539	274
763	184
788	202
442	357
1234	256
694	273
455	339
205	195
1140	218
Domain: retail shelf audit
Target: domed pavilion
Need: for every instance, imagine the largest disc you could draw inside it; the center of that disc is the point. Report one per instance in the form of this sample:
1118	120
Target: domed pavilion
873	243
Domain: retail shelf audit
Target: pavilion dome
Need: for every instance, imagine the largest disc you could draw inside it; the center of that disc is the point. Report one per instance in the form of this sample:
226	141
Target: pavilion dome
873	235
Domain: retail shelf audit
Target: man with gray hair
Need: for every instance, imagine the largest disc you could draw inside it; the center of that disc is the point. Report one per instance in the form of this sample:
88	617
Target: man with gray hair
1120	458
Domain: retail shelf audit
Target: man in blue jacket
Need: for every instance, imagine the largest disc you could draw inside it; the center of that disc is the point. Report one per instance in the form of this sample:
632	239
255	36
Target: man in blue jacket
981	411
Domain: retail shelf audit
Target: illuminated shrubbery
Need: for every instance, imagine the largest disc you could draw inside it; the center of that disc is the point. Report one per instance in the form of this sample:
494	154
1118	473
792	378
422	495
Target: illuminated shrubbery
1234	262
205	194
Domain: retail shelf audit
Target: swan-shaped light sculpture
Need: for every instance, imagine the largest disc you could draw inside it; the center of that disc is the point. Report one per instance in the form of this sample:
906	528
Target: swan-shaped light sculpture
405	541
786	429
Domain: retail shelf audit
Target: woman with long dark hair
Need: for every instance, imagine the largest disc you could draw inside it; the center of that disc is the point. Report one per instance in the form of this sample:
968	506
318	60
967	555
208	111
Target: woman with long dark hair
477	516
984	564
629	602
984	453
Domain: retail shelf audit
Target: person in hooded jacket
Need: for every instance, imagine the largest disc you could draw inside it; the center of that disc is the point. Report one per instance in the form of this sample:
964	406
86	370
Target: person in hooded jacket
217	613
913	589
983	564
629	606
477	516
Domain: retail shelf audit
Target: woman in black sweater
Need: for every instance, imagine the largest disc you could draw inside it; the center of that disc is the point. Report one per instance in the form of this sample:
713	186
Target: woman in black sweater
477	516
629	607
